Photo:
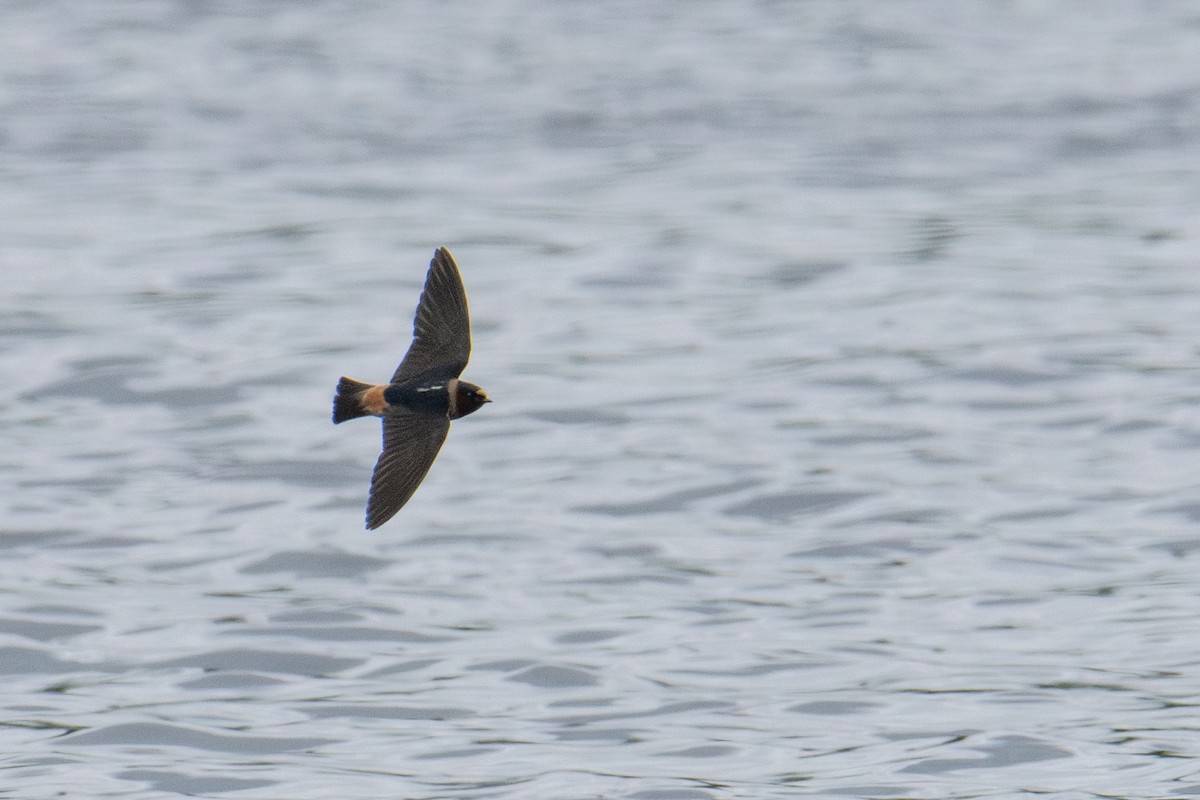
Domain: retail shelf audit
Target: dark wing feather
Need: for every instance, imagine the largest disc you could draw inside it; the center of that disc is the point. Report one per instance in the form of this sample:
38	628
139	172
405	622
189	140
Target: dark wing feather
442	327
410	444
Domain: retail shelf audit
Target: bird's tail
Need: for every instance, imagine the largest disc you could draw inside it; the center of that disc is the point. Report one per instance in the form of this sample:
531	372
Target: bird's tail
347	402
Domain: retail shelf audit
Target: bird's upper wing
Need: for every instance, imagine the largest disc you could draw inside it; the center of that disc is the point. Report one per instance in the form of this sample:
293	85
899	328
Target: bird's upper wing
410	444
442	327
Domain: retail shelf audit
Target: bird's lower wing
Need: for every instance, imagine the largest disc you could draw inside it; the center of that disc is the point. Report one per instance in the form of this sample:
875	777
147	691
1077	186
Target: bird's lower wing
410	444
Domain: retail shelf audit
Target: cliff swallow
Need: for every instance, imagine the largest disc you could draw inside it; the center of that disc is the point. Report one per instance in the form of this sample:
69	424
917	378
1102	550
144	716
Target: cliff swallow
423	395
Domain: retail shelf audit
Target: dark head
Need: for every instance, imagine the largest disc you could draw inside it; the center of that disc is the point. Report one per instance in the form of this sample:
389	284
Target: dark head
467	398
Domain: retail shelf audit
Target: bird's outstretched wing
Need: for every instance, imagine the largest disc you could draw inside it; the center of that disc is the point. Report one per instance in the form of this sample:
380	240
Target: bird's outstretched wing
410	444
442	327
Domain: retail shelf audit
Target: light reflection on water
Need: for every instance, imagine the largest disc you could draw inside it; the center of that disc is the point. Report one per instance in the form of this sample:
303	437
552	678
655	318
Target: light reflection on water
845	433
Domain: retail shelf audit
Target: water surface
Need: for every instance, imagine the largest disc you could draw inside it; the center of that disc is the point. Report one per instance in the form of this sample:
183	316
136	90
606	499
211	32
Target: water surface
846	420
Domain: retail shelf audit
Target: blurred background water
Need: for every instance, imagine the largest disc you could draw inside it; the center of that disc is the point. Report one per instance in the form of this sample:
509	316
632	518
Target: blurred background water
847	416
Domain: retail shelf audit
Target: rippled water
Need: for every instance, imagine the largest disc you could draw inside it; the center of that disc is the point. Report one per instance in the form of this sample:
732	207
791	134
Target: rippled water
847	416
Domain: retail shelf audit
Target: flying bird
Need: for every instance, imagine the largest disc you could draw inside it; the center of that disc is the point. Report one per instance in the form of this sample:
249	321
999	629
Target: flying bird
424	394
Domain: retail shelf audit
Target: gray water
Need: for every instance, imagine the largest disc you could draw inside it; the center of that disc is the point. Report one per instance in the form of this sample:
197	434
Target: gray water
847	421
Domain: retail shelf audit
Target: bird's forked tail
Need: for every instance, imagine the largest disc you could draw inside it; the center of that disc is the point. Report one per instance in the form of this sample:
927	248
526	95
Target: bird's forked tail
348	401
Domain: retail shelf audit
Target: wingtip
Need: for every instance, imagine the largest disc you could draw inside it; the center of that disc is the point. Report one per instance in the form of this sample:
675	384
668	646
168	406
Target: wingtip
379	521
372	521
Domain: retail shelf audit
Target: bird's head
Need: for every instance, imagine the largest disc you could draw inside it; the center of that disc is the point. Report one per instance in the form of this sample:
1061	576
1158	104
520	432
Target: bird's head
468	398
